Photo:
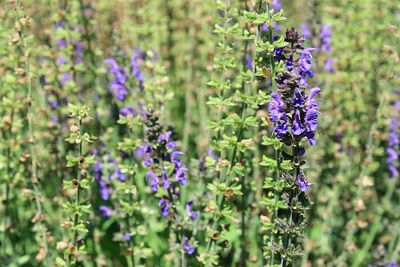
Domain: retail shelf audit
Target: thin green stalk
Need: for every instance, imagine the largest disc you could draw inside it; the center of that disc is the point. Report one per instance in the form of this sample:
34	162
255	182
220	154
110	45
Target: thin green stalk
352	228
77	195
183	261
34	177
359	257
131	259
7	186
277	177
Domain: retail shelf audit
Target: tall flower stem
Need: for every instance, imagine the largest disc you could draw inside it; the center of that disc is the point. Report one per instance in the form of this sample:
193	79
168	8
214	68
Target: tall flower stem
370	149
34	174
359	257
77	195
277	177
7	186
131	250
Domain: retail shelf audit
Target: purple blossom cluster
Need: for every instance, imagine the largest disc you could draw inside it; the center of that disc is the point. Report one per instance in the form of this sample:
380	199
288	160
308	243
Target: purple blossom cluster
166	172
118	84
293	108
393	143
120	77
62	43
160	156
104	180
326	36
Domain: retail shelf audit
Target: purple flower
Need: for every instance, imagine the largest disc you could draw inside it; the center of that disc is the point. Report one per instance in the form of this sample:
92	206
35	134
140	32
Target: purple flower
298	99
62	43
306	30
311	138
305	65
127	111
104	190
297	127
264	27
175	155
326	35
180	175
106	211
165	180
53	103
276	107
190	212
393	172
165	206
117	84
392	155
119	175
188	248
127	237
302	182
328	65
392	264
65	77
249	62
78	52
154	181
97	170
393	139
210	153
311	119
393	142
135	61
61	61
165	137
276	5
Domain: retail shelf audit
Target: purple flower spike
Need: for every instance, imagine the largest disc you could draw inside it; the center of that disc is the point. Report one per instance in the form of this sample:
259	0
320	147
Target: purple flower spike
328	65
120	77
394	141
326	35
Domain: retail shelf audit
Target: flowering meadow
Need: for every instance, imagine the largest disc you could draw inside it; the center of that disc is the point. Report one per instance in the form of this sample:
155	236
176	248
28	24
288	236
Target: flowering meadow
200	133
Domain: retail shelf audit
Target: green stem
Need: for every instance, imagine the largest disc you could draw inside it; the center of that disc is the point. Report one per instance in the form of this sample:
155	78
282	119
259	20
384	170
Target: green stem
183	261
34	177
359	257
277	177
77	196
352	227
